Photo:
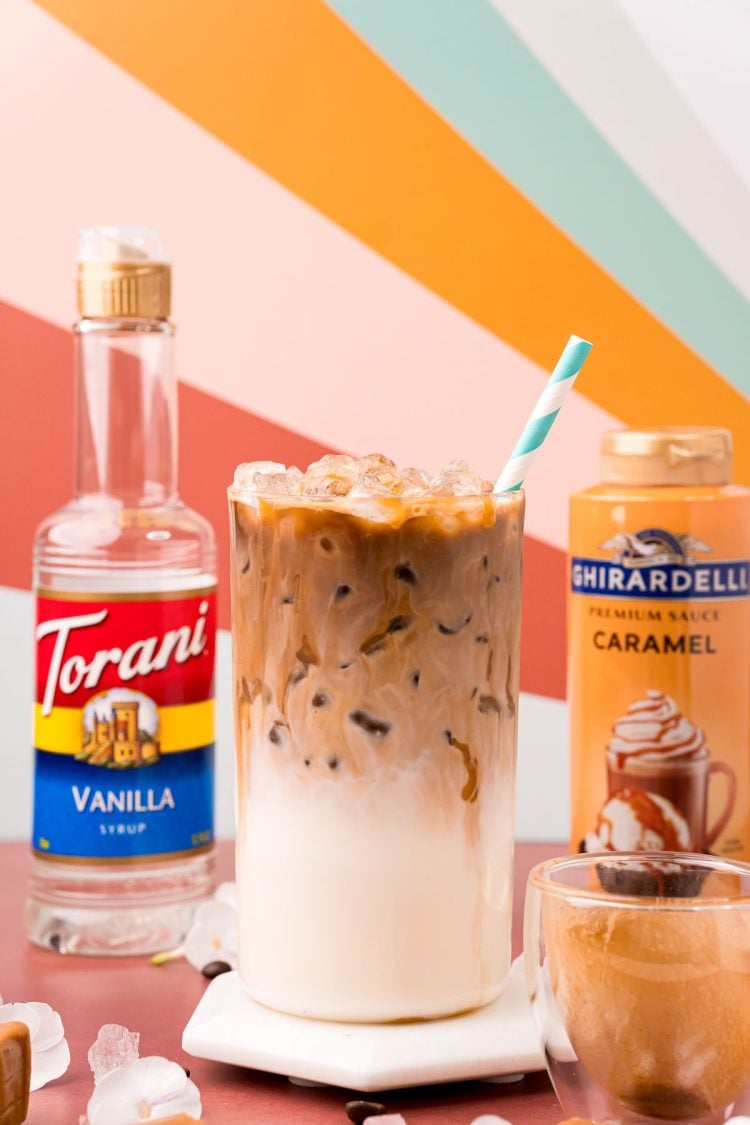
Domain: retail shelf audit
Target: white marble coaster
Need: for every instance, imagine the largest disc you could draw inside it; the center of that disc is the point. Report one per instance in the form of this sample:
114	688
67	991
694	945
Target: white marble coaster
497	1040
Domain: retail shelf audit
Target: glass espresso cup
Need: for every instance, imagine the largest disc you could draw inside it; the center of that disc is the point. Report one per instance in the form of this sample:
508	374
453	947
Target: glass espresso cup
376	678
638	968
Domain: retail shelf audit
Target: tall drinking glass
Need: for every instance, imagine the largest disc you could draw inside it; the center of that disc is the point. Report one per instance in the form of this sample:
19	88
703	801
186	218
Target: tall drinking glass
376	683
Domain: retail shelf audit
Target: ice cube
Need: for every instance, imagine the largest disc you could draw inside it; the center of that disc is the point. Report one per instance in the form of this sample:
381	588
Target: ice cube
457	479
414	482
261	476
269	478
294	481
333	475
376	476
114	1046
375	463
370	484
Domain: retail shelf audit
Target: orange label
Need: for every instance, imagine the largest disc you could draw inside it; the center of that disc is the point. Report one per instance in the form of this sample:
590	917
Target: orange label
659	669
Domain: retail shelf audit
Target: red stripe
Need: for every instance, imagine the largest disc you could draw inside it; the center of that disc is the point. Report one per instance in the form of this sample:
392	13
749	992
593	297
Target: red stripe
36	458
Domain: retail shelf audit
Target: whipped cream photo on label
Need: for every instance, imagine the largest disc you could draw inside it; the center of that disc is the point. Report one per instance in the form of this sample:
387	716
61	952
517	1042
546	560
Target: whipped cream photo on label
658	771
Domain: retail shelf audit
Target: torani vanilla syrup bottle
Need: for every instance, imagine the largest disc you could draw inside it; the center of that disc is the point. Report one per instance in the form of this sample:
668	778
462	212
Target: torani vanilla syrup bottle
659	648
125	637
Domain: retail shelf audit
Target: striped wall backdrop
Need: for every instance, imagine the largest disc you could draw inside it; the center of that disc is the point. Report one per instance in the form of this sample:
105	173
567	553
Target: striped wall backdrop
386	217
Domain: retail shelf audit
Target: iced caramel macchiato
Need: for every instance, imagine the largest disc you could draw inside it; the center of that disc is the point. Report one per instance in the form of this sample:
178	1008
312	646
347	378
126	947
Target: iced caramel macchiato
375	619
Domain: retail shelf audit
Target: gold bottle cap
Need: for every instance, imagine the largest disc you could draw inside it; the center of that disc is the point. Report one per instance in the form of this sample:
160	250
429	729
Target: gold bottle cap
123	271
669	455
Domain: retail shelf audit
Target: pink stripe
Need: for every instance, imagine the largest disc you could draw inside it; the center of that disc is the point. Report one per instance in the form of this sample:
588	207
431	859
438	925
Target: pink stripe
280	311
37	445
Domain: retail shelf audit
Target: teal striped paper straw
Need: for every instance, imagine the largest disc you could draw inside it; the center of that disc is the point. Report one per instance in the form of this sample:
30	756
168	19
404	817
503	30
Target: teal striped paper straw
543	415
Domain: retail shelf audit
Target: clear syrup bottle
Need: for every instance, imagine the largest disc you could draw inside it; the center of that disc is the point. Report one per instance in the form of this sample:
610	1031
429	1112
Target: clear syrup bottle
122	839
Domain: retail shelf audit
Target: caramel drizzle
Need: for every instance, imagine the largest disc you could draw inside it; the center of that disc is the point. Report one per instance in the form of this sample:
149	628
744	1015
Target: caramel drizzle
470	791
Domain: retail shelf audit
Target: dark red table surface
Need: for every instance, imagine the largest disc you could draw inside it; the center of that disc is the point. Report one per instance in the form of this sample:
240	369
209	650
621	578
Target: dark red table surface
158	1002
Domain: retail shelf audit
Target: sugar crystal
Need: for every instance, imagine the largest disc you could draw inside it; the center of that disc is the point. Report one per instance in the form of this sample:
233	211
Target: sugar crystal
114	1046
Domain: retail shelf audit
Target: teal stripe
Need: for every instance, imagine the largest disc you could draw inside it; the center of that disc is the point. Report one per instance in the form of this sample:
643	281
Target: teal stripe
570	362
534	434
464	59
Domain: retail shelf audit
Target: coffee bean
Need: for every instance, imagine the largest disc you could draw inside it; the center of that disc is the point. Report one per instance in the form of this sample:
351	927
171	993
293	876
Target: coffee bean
306	654
296	676
251	688
376	641
456	627
378	728
359	1111
215	969
398	624
489	705
406	573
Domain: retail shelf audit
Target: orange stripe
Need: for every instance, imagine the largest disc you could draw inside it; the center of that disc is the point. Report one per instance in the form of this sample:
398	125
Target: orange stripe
36	448
287	84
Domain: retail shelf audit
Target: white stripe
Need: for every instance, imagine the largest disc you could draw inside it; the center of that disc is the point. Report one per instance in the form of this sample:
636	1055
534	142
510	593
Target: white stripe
542	808
591	49
515	471
703	48
553	397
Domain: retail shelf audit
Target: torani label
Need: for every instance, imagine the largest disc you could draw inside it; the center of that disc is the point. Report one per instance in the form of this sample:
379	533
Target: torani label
124	725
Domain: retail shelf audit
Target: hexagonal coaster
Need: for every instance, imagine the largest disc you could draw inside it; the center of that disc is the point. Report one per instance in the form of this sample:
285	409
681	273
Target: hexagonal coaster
499	1039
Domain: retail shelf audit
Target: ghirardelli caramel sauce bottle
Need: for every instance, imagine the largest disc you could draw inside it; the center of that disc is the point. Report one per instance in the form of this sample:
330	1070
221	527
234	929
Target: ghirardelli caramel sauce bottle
659	647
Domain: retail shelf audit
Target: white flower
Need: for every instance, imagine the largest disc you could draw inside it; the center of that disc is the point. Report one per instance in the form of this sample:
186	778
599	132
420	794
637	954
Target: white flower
227	892
145	1090
213	934
50	1055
